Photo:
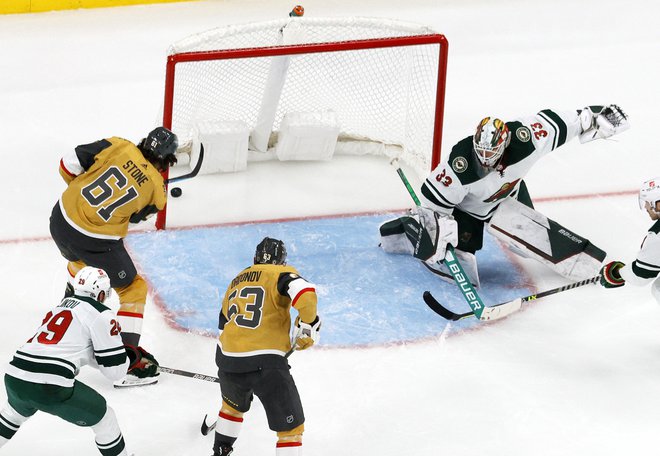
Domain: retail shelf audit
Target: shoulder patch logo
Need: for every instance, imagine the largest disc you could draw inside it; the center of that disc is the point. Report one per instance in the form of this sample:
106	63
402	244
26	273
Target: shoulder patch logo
523	134
459	164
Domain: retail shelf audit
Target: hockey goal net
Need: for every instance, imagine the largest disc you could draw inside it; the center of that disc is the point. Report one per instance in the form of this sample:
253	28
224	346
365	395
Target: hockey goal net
382	80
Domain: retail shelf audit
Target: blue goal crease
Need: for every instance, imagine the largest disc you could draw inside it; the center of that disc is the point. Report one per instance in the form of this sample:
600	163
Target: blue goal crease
366	296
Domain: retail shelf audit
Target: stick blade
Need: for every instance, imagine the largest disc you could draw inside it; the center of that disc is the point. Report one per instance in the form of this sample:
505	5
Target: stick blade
441	310
501	310
205	427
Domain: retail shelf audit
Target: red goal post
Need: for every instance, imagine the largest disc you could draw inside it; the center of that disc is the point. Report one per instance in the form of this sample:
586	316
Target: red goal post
385	81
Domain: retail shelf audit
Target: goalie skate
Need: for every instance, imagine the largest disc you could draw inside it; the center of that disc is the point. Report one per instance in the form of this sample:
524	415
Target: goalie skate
131	380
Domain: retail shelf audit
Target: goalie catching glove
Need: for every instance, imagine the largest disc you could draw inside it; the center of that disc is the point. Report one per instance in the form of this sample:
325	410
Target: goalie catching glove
142	364
610	275
600	122
306	334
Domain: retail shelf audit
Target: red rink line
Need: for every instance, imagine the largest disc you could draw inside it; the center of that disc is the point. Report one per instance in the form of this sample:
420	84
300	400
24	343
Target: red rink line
552	199
546	199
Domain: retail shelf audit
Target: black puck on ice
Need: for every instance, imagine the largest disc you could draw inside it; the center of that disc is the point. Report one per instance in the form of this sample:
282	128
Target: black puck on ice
176	192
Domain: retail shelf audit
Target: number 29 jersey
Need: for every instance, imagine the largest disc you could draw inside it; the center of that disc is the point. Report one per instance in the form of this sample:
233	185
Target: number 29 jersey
79	331
110	184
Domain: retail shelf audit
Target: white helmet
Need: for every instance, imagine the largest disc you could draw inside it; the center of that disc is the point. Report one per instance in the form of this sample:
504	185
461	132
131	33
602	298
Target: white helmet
650	192
93	283
490	140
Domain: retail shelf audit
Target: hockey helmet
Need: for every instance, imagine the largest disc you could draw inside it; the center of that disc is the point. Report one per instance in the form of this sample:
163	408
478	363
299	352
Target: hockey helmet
270	251
160	147
93	283
490	140
650	193
297	11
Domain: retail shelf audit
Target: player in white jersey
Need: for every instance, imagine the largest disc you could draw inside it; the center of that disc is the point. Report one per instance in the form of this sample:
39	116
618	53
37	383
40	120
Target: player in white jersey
80	330
481	184
646	266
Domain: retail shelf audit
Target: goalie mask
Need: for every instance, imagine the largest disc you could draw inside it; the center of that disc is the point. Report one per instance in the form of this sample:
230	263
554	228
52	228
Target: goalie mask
490	140
93	283
270	251
160	147
650	193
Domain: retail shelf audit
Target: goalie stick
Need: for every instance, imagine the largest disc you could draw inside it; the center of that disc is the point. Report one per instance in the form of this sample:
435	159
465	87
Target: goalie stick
503	309
195	170
455	269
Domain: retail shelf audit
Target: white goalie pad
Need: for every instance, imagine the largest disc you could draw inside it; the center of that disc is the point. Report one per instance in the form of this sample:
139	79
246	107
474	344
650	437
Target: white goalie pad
307	136
225	146
531	234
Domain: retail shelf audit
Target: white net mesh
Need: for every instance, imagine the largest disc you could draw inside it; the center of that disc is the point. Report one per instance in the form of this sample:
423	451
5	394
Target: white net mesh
386	95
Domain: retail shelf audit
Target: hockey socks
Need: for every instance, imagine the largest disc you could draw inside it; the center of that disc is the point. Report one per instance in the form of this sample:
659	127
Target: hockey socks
10	422
109	439
288	449
227	429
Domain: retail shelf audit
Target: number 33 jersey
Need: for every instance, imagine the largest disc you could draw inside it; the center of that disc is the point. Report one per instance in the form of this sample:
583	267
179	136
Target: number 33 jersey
77	332
110	185
461	181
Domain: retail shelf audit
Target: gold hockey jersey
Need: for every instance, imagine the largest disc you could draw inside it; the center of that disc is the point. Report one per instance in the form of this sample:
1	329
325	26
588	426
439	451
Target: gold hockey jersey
255	318
110	185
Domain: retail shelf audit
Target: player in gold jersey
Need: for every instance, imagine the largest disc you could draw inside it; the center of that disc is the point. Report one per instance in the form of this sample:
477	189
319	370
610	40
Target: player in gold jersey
111	183
254	338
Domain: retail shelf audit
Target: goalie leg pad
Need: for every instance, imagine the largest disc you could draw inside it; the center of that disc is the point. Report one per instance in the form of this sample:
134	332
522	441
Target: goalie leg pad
531	234
402	235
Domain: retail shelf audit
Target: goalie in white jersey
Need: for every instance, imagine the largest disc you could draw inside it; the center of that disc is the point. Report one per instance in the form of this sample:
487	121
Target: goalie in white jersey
481	184
646	266
80	330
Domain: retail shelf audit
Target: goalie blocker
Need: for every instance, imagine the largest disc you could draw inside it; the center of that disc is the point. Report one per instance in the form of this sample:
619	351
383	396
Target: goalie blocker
531	234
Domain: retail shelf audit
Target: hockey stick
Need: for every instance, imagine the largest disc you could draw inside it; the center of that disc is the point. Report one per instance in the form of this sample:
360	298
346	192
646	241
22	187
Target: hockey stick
195	170
169	370
208	378
205	428
503	309
454	266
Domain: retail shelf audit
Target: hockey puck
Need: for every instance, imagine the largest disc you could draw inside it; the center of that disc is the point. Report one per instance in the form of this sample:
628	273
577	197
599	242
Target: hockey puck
176	192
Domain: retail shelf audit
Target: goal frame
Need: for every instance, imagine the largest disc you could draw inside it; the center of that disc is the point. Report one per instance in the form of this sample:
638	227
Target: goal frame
310	48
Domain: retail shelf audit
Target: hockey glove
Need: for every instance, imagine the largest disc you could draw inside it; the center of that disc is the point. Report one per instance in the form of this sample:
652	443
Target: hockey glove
438	230
145	364
610	275
306	334
133	354
598	122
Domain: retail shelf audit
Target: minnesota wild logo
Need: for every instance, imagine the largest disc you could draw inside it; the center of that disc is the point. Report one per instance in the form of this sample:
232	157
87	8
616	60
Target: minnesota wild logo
504	191
459	164
523	134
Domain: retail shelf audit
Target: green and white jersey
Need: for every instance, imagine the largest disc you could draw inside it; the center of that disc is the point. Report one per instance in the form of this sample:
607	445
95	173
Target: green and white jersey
77	332
647	264
461	181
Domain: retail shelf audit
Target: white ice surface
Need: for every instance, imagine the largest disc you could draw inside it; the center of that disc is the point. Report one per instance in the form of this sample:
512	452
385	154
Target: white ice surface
573	374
